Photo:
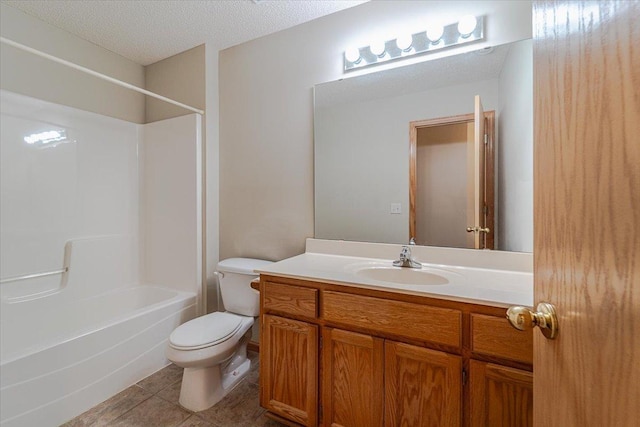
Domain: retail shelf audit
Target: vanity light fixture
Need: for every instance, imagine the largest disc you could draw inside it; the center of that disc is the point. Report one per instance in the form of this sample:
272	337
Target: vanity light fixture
435	33
404	42
467	30
353	55
378	48
467	25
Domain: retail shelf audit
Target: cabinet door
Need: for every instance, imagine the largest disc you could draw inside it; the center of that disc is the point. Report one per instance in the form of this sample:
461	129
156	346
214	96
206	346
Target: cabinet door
500	396
423	387
352	379
289	369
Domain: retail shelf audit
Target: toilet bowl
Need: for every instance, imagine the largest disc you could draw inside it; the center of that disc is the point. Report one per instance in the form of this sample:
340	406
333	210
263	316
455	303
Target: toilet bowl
212	348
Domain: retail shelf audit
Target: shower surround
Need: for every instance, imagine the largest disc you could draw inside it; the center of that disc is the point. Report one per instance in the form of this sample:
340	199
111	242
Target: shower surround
114	208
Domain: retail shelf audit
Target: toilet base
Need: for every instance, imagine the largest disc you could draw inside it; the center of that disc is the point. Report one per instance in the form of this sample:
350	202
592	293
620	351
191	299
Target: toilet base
201	388
204	387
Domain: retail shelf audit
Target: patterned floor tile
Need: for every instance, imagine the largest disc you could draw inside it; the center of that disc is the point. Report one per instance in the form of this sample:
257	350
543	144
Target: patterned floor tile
111	408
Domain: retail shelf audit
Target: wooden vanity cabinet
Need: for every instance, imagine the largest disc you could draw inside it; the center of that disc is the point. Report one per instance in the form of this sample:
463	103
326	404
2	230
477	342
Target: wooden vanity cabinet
334	355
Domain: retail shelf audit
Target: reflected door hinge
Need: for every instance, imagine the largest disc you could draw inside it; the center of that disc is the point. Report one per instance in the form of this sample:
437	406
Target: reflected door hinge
486	138
464	377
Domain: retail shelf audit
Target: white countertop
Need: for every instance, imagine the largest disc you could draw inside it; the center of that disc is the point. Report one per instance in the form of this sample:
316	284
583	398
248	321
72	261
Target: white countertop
465	282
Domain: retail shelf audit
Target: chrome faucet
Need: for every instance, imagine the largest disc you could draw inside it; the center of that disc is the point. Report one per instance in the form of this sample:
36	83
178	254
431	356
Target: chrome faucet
406	260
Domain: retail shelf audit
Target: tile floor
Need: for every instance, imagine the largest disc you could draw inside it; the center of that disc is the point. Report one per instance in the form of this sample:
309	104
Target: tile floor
153	402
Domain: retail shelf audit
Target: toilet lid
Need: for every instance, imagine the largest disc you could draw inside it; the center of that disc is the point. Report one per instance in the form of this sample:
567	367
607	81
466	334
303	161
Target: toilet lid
205	331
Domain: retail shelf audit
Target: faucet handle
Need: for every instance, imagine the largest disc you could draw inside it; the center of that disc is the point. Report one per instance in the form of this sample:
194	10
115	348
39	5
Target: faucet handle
405	252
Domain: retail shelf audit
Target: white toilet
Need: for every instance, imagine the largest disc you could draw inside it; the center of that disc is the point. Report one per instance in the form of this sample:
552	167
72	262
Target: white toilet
212	349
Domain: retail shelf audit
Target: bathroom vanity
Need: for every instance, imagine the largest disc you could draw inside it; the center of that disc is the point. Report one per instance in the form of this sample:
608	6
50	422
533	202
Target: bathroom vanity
340	348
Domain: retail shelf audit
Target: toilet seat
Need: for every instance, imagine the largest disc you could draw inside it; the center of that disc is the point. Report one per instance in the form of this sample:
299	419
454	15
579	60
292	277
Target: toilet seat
205	331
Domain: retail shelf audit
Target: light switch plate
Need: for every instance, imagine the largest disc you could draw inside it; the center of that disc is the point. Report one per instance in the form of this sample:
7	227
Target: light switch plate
396	208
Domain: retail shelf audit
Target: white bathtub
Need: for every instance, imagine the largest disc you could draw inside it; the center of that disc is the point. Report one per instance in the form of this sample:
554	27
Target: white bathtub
67	356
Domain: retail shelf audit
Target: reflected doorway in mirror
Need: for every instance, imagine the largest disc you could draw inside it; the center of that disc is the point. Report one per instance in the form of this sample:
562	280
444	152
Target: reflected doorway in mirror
452	180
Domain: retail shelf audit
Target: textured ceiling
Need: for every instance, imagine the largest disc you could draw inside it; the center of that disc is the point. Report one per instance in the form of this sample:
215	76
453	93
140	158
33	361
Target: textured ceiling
146	31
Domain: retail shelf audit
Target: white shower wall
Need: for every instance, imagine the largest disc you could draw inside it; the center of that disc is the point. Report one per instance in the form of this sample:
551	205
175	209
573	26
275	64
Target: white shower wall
84	186
171	203
93	186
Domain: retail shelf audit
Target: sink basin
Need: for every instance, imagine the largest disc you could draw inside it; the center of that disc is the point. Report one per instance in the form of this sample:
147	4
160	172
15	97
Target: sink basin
402	275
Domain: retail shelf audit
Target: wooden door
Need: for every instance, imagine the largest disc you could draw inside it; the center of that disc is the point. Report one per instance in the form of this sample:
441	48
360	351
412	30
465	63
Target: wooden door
352	379
422	387
289	369
587	211
500	396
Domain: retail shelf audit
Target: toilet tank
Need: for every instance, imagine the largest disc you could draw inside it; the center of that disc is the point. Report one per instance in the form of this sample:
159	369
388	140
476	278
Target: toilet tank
235	276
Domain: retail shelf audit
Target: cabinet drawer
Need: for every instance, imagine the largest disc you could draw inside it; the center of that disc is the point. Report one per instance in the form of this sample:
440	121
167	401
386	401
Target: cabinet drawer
398	318
493	336
290	299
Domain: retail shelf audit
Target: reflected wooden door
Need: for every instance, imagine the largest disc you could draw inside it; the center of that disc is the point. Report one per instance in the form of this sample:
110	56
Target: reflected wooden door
587	211
476	176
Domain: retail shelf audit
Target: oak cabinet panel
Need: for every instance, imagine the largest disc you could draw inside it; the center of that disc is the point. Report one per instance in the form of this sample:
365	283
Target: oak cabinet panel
494	336
289	369
352	379
500	396
435	324
287	299
423	387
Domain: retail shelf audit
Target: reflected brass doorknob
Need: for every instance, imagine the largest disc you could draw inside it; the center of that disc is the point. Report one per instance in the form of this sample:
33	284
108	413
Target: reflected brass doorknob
478	230
545	318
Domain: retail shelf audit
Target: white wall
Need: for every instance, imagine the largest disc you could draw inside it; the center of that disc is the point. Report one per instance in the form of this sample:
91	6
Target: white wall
180	77
266	111
41	78
515	151
353	202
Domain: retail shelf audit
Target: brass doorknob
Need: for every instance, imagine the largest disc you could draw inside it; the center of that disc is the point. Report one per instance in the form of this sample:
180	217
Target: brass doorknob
545	318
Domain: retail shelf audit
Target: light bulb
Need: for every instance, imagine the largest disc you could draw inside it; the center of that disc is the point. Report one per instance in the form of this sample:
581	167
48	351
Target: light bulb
352	54
434	33
467	25
377	48
404	41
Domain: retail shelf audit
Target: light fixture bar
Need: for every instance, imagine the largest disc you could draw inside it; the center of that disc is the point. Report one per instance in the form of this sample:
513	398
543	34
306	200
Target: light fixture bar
420	45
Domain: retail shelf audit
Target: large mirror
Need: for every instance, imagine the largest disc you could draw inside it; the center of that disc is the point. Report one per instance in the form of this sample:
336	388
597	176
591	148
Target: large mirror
362	131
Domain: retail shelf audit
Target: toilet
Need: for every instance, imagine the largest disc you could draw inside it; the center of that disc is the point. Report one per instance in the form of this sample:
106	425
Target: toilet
212	348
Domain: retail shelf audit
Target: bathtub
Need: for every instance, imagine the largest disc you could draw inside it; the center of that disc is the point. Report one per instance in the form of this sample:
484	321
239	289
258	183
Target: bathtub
67	356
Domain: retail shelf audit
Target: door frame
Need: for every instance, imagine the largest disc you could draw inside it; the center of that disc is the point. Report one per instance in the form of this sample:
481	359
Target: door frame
489	116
